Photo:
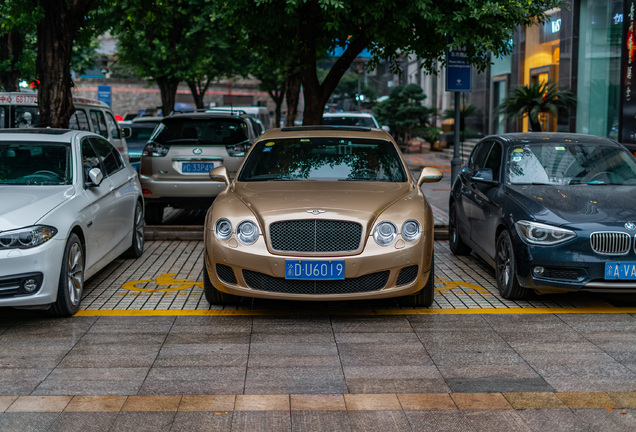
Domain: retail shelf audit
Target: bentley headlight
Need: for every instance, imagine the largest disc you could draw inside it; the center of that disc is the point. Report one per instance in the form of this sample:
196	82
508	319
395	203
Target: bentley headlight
247	232
385	233
542	234
411	230
25	238
223	229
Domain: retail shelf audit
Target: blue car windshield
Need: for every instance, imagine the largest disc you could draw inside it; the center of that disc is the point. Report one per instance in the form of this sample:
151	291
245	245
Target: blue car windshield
35	163
324	159
570	164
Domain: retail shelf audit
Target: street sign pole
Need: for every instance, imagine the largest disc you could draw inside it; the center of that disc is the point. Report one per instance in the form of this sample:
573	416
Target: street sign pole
456	162
458	79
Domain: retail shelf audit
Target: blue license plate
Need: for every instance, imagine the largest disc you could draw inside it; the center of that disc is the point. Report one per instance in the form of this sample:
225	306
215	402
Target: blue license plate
197	167
314	270
620	271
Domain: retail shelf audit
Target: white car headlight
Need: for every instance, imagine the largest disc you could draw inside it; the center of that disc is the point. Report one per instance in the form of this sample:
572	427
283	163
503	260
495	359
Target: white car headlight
223	229
542	234
385	233
25	238
411	230
247	232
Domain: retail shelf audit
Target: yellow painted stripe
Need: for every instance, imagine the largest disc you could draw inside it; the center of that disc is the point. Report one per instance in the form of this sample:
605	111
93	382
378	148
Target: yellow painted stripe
592	309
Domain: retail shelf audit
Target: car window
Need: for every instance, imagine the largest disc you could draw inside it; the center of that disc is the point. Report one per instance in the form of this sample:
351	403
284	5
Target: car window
349	121
494	160
99	123
112	126
570	163
26	117
110	156
478	156
79	121
184	131
325	159
38	163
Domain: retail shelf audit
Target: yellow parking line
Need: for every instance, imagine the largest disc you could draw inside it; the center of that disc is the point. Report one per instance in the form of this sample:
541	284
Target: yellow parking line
593	309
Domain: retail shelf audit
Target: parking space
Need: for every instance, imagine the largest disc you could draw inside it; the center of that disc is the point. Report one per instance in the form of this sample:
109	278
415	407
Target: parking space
168	279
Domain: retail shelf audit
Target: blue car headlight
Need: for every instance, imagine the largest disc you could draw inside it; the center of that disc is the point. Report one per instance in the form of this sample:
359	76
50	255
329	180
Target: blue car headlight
25	238
542	234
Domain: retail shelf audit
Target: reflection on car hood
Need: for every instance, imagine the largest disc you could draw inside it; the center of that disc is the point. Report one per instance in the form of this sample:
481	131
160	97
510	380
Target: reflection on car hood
25	205
578	203
340	199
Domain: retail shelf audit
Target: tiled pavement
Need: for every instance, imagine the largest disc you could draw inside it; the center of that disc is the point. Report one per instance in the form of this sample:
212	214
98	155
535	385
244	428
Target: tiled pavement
531	372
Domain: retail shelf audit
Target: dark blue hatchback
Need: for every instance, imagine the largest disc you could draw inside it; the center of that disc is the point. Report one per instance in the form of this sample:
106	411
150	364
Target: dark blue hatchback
551	212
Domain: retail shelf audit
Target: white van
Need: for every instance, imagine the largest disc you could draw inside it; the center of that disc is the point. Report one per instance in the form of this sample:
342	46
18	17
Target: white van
260	113
20	110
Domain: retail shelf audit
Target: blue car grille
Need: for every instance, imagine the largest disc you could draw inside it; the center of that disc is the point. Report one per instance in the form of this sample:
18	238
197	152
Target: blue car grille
611	243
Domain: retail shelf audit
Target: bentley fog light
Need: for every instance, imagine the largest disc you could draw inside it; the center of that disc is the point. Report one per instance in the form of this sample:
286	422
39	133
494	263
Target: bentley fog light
223	229
247	232
385	233
411	230
542	234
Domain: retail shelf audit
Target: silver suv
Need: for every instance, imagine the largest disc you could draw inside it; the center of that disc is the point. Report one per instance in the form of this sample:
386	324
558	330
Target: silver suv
176	161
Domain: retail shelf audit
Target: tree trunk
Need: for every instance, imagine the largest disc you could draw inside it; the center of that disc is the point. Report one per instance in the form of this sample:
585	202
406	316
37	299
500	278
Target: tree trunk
277	96
292	96
11	46
56	32
535	125
316	94
168	90
198	90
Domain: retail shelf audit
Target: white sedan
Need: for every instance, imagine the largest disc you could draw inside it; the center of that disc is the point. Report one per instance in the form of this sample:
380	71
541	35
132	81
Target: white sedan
69	205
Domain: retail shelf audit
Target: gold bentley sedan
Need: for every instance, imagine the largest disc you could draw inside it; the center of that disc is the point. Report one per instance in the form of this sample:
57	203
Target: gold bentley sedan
321	213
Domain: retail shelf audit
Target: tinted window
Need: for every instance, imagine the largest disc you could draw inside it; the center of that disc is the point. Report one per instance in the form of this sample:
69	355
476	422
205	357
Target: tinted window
99	123
38	163
185	131
110	156
79	121
90	159
349	121
477	158
324	159
494	161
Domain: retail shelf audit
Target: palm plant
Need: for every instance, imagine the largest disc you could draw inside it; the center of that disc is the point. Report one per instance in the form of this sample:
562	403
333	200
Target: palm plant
533	99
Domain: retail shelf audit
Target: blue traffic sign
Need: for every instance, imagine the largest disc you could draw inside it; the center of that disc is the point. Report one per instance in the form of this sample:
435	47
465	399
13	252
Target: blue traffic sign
458	70
104	94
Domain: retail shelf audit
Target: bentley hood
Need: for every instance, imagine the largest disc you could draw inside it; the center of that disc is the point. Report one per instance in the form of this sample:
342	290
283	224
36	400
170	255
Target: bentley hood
340	199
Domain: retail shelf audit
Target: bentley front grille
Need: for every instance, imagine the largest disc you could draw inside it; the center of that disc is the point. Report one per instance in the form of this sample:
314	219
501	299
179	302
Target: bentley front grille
610	243
366	283
315	236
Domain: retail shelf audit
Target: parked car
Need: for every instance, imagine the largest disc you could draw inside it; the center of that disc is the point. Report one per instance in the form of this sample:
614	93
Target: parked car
137	134
356	118
20	110
551	212
182	150
320	213
259	113
70	205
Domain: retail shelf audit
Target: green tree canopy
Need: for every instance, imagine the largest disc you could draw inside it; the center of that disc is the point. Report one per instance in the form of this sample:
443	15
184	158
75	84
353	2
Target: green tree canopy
404	112
389	28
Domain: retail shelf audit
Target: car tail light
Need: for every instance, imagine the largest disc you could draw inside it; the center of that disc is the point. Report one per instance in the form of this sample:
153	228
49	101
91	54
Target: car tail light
236	150
154	149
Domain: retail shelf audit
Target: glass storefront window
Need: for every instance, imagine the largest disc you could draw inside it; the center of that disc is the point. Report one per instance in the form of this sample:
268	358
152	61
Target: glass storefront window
599	68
